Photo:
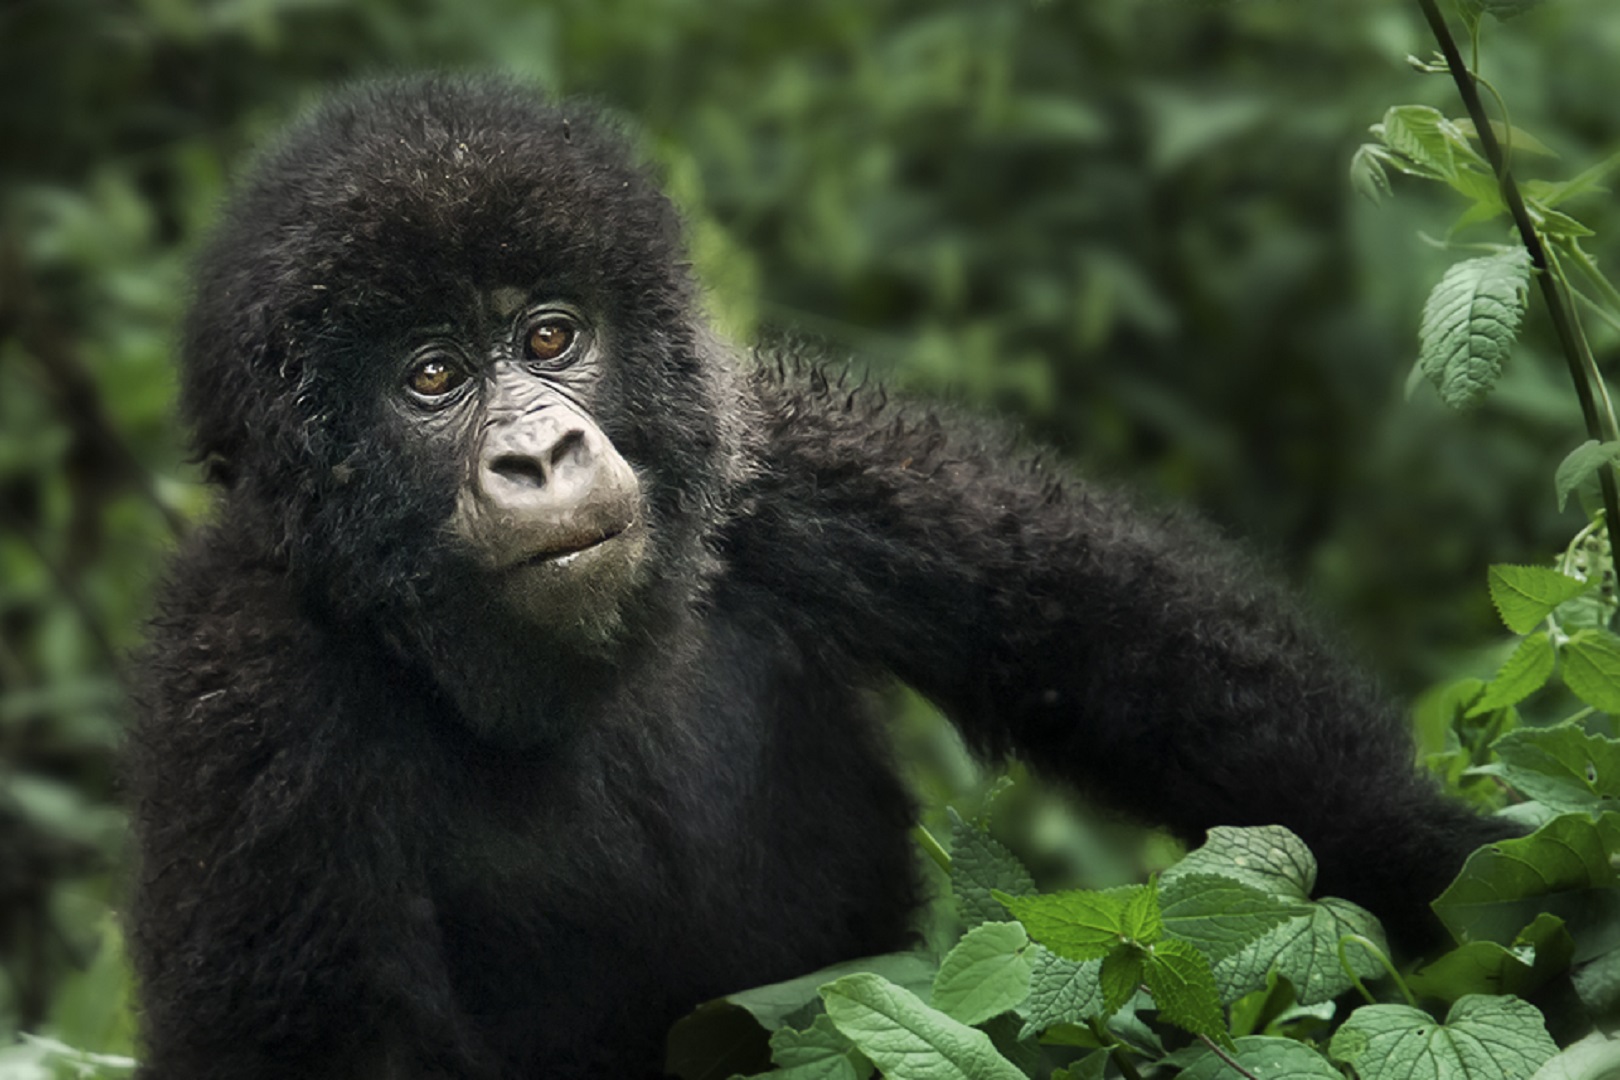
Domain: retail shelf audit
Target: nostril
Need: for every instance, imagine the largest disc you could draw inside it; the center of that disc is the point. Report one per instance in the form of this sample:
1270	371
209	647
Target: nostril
519	468
568	450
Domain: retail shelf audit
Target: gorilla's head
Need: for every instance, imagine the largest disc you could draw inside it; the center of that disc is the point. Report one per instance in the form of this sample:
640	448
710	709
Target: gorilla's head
448	351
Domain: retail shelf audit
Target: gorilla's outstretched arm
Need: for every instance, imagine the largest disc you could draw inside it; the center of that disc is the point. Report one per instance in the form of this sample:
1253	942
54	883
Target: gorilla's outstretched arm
1134	654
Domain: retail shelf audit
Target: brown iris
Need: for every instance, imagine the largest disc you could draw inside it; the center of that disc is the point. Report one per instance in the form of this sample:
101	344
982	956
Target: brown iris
550	339
435	378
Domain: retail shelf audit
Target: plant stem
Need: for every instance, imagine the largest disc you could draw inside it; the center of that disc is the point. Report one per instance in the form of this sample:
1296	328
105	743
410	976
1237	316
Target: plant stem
1224	1056
1600	424
1117	1050
932	847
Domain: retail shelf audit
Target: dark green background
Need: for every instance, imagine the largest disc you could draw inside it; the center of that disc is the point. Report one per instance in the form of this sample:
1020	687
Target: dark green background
1125	225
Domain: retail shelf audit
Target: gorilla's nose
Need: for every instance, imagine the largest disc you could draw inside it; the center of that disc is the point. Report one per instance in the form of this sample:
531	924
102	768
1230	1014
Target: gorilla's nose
542	463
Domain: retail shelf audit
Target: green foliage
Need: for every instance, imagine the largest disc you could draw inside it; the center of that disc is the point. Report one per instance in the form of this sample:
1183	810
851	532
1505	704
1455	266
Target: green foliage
1483	1037
1469	325
1080	215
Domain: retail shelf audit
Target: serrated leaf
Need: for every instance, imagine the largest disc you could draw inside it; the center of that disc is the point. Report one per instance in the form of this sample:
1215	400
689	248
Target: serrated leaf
1303	948
1221	916
980	865
1521	675
986	974
1592	669
1274	1059
1561	869
1426	137
1367	174
1483	1038
1582	462
1119	976
1304	951
904	1037
1524	595
1469	325
1079	924
1563	767
820	1052
1183	988
1060	992
1142	921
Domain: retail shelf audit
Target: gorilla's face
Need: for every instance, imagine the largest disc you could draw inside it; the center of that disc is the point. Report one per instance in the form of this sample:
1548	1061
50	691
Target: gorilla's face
546	508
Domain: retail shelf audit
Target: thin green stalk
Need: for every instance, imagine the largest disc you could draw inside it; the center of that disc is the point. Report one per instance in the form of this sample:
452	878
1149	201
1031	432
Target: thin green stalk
1584	263
1600	424
1372	947
932	847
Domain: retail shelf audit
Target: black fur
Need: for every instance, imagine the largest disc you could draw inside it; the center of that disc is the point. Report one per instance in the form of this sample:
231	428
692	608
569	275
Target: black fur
338	879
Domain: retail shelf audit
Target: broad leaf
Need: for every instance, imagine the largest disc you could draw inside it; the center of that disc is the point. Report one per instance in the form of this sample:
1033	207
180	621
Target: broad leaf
1524	595
1592	668
1274	1059
1596	1057
904	1037
986	974
1469	325
1522	674
1563	766
1542	952
1483	1038
1561	869
1582	463
820	1052
1222	916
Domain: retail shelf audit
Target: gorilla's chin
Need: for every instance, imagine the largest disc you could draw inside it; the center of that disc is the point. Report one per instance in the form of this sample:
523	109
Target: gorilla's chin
577	596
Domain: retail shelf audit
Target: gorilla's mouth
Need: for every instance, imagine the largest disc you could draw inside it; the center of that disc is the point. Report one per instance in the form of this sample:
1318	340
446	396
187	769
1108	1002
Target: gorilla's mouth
564	554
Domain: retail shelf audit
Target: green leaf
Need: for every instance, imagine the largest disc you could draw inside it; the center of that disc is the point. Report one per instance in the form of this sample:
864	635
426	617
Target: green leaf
1587	182
1469	325
1561	869
1222	916
1592	669
1541	952
980	865
1120	975
1268	858
1596	1057
986	974
1183	987
1142	921
1582	462
820	1052
1367	174
774	1004
1483	1038
1506	9
1523	142
1563	767
1274	1059
1524	595
1079	924
904	1037
1303	947
1556	223
1061	991
1427	138
1521	675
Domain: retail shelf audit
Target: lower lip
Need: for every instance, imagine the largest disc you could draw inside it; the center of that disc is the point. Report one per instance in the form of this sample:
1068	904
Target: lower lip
567	558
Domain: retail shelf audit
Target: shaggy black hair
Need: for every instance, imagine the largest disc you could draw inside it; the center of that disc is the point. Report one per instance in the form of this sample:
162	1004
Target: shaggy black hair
339	878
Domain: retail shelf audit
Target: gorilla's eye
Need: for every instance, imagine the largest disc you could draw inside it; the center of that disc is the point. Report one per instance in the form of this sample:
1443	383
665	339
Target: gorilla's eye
550	338
434	378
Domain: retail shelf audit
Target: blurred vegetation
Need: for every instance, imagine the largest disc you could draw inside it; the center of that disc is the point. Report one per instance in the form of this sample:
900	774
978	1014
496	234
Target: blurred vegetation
1123	224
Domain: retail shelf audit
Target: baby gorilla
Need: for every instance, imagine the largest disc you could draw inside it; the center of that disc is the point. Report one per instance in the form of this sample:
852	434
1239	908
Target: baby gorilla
518	697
